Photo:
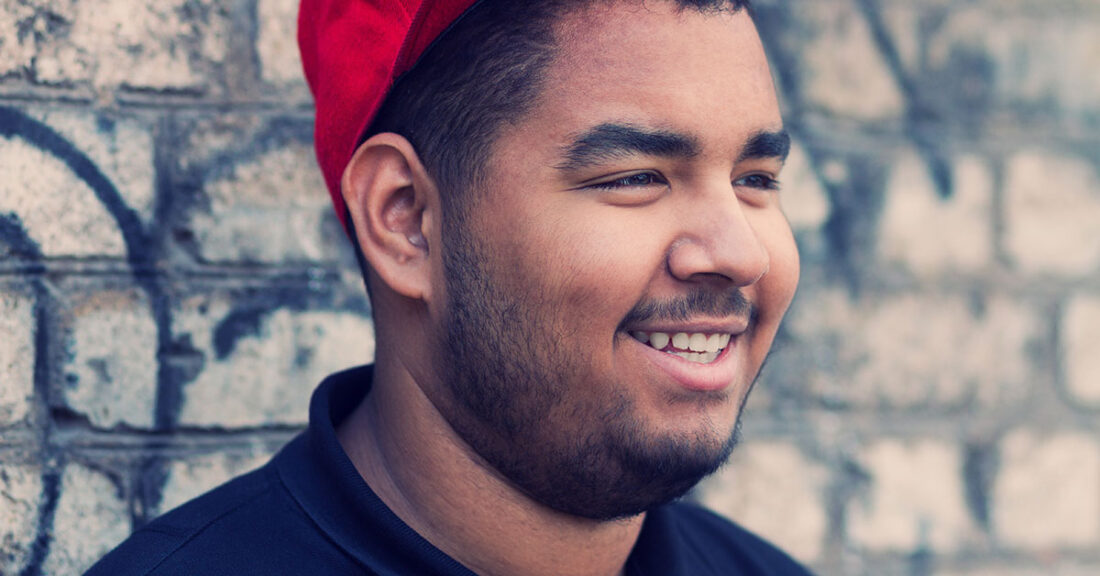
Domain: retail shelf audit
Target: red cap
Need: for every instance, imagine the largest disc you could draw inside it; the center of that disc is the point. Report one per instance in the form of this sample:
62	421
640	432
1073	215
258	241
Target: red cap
352	52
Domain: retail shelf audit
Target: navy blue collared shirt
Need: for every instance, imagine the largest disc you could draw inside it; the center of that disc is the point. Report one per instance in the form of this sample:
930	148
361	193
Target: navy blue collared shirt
309	512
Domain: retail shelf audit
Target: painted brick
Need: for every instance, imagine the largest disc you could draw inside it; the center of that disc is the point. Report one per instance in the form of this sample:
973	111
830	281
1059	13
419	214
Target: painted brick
1051	567
187	479
926	348
57	207
1081	337
1047	494
803	197
951	69
773	489
111	371
916	498
112	43
281	190
817	327
277	42
92	517
265	375
842	71
988	60
912	350
70	224
1019	46
263	198
930	234
16	55
1053	211
121	148
20	495
17	324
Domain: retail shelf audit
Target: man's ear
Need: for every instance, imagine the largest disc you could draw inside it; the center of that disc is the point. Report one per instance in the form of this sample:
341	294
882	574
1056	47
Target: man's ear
391	199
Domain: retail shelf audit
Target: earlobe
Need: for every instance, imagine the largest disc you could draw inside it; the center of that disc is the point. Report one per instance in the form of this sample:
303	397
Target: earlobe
390	197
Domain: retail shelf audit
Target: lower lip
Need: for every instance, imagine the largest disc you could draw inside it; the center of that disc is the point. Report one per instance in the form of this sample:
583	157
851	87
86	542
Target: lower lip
716	376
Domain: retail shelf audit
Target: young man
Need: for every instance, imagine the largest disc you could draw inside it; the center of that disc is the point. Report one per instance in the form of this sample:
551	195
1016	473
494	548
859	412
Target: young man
568	219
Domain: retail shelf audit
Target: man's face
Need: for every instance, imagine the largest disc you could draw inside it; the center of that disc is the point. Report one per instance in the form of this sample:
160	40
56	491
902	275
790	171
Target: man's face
632	206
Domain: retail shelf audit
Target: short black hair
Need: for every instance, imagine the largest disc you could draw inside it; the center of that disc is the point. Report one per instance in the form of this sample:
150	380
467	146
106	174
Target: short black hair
485	71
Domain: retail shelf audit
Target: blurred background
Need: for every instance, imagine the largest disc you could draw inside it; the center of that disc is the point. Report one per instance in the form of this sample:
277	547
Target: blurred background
173	283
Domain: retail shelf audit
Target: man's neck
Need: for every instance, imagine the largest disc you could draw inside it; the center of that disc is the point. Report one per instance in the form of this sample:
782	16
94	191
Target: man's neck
433	481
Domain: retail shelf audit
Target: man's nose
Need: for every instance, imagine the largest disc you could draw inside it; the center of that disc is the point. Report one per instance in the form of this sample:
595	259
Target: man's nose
718	243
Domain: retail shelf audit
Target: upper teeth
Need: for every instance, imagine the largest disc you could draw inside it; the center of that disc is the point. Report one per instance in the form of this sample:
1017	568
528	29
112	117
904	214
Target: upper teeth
696	342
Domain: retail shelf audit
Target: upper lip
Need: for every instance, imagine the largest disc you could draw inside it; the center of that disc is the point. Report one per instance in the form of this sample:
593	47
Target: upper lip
732	326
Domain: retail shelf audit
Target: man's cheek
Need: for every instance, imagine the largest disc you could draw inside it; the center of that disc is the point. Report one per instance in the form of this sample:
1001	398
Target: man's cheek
598	284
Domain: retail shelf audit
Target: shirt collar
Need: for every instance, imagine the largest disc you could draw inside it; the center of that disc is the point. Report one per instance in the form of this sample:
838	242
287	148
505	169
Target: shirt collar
325	483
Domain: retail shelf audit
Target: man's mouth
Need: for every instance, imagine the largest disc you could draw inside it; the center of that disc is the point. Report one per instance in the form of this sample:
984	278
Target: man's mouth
698	347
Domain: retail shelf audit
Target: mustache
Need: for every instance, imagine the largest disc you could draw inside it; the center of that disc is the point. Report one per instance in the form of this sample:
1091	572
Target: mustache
692	305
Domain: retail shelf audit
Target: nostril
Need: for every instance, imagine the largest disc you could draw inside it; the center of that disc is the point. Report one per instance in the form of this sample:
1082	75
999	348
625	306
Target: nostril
729	254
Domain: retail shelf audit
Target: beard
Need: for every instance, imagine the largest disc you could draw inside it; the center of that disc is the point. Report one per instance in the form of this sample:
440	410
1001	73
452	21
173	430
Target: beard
526	402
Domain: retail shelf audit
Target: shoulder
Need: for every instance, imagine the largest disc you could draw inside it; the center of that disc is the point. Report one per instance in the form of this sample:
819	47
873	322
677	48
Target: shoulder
713	542
249	525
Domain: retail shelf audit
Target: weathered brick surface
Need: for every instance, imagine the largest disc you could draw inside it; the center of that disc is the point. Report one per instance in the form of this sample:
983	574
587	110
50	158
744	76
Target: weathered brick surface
17	324
20	493
1053	207
170	271
1048	568
804	198
105	168
1008	49
111	375
775	490
942	349
912	350
189	478
74	224
1081	335
840	69
119	146
260	364
276	44
253	176
915	500
91	518
930	234
1046	496
113	43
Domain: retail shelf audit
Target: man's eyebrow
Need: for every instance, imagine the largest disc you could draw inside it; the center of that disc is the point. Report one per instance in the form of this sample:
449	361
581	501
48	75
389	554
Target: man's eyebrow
613	141
767	144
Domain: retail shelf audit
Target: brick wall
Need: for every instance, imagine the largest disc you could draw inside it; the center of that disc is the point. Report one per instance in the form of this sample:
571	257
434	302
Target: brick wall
172	284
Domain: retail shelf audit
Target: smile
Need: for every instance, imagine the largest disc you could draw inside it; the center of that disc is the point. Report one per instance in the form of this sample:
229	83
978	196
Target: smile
698	347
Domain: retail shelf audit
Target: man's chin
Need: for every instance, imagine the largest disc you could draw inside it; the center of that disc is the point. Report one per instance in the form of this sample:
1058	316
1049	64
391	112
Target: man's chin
646	476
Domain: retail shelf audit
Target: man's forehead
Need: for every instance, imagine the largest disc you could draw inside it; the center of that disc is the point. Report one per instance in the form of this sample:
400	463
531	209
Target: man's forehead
631	82
632	46
583	20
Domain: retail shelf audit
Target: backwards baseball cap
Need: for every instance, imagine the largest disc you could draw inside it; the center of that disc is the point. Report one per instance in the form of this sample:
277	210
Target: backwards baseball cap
353	51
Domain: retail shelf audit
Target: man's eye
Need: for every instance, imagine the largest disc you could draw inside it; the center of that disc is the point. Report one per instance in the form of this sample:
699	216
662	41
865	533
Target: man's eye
633	180
758	181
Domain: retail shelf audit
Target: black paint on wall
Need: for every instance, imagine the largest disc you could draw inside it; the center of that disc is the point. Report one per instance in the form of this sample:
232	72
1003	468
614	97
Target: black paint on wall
141	259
